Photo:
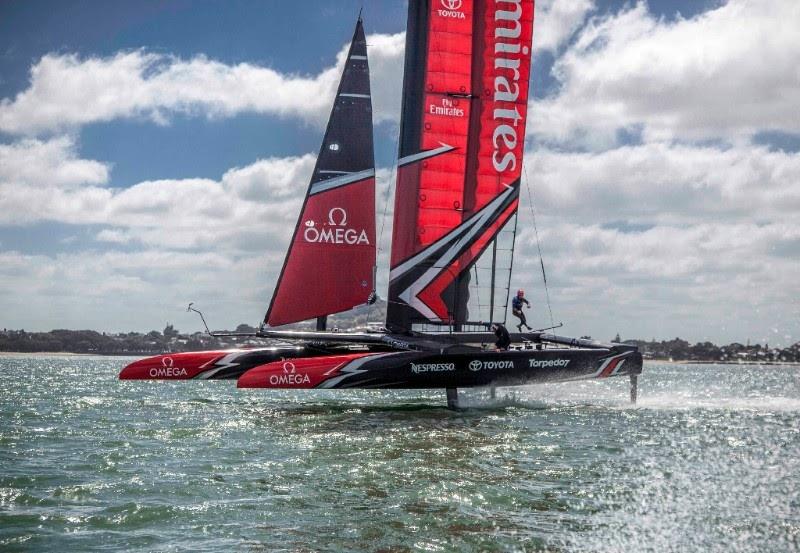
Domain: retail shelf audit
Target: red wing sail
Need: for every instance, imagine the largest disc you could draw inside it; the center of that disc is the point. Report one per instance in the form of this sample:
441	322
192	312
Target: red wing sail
331	259
465	96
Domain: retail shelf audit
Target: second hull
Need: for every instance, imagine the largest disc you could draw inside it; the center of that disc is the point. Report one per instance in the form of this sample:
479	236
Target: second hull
414	370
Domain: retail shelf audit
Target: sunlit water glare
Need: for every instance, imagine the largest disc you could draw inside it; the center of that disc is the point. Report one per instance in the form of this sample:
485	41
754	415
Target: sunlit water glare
709	460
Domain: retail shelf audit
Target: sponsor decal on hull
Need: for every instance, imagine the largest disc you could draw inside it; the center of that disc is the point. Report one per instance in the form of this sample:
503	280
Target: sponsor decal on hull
167	372
290	376
178	365
432	367
478	365
299	372
289	379
539	363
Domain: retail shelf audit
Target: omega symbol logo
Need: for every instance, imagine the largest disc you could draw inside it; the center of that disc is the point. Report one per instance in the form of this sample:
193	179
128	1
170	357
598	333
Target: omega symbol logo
337	212
335	231
167	362
288	367
451	4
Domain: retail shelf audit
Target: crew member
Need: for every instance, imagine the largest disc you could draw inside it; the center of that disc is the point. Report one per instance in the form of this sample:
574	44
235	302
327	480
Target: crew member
503	338
516	309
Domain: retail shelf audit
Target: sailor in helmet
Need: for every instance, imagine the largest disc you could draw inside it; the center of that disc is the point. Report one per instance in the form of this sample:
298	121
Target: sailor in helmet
516	309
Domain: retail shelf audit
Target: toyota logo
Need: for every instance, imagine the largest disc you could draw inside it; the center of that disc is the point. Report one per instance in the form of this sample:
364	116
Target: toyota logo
452	4
475	365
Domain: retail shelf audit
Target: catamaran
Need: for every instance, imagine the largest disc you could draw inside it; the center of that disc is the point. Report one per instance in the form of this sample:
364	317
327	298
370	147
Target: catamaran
459	167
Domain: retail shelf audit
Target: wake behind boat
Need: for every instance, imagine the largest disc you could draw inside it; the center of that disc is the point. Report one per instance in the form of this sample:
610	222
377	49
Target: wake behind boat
465	96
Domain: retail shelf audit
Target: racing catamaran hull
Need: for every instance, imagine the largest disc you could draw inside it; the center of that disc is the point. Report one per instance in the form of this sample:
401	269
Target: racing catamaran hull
218	365
423	369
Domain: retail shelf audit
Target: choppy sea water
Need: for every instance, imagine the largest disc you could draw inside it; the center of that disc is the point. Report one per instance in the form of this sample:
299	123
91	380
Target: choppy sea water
709	460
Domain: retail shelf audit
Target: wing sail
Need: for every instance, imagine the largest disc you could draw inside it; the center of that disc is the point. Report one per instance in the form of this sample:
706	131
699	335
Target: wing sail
465	96
330	264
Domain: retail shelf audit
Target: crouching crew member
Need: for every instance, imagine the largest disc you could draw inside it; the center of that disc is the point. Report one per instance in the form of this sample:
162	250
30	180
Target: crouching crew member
503	338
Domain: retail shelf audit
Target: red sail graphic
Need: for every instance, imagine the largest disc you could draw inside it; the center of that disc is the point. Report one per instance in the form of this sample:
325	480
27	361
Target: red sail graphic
331	259
461	148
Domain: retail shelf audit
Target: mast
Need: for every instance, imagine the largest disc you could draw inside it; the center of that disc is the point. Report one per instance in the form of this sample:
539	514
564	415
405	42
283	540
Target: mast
329	266
465	94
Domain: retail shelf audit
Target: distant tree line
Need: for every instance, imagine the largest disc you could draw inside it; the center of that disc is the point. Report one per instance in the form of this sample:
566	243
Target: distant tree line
102	343
171	340
168	340
682	350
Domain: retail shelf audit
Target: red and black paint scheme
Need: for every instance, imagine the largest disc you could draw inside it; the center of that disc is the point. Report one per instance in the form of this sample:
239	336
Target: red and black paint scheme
462	131
336	226
380	363
433	369
208	365
465	94
224	364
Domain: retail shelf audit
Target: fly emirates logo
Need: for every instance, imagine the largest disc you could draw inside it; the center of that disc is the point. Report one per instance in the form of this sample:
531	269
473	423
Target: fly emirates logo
448	107
335	231
509	54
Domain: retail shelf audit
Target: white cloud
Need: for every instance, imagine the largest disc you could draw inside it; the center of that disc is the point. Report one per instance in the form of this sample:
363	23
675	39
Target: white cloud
555	22
53	162
386	55
718	281
273	178
672	184
133	291
67	91
726	73
47	181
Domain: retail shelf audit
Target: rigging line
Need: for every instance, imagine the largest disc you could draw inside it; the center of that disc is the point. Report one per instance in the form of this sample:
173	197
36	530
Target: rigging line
478	291
538	242
386	198
392	178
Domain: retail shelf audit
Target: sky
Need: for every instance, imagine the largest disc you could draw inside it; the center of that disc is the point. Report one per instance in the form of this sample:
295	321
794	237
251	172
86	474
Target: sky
157	153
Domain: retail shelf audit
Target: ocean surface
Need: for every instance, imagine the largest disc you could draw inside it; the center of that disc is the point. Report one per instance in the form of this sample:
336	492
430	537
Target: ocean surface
709	460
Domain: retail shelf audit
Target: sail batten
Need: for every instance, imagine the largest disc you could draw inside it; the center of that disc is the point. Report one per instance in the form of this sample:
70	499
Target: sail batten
329	266
466	87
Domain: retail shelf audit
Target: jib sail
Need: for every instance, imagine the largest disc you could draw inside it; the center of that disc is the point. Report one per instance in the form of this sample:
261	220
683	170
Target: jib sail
465	96
331	259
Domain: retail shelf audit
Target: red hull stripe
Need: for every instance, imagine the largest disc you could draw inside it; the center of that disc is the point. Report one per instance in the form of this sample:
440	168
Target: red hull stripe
611	367
173	366
296	373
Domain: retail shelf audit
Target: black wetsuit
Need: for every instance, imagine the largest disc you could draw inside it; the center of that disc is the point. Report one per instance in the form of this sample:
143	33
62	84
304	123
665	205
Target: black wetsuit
516	309
503	338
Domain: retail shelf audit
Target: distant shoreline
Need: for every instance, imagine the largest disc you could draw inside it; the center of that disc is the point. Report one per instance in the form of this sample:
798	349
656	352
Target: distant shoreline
67	354
711	362
660	361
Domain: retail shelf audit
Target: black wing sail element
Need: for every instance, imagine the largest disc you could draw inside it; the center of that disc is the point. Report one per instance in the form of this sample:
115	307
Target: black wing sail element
330	263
